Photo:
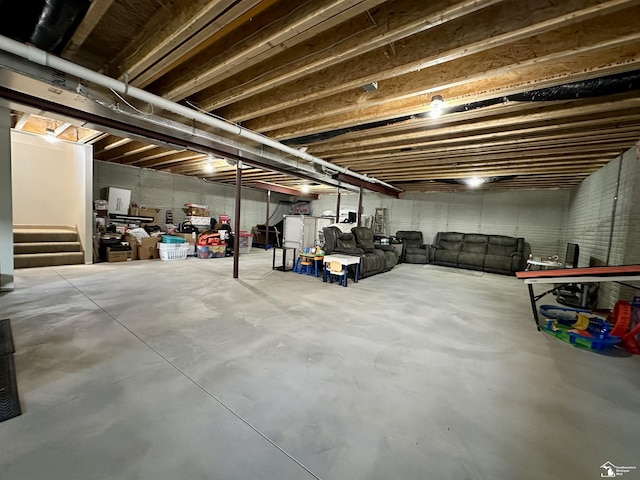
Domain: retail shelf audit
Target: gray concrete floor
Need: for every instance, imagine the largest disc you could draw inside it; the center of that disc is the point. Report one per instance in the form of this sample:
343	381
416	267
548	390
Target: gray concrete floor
173	370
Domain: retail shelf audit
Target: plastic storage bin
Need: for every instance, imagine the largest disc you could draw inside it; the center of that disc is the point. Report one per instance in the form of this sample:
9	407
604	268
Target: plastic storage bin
211	251
245	240
173	251
172	239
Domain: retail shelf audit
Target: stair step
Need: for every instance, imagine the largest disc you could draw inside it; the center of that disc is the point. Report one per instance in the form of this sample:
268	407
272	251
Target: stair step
46	247
28	260
31	235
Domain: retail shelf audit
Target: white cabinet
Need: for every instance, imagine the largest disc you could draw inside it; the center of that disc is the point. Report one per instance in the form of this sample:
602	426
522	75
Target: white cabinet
303	231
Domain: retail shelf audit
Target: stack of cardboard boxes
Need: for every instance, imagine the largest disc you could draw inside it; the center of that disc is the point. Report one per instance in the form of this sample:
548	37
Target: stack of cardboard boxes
197	214
118	246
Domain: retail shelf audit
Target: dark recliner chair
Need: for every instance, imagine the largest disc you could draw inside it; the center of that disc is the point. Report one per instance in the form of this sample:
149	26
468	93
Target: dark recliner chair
364	240
413	248
336	241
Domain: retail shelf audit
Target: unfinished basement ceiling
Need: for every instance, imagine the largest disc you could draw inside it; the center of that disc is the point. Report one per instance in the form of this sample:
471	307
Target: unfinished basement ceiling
538	93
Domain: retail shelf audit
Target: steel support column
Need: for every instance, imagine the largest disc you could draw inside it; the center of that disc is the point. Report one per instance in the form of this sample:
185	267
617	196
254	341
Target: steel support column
360	207
6	202
266	224
236	220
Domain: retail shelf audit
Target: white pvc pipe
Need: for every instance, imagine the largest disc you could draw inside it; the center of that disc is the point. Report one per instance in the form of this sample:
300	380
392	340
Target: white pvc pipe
41	57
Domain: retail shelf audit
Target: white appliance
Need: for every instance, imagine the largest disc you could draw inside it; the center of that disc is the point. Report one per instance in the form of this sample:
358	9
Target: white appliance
303	231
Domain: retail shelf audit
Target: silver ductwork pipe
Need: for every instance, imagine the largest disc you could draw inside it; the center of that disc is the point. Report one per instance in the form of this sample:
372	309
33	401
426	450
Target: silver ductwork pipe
41	57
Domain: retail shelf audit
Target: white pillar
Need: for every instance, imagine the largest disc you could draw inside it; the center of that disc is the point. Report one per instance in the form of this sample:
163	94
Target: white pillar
6	204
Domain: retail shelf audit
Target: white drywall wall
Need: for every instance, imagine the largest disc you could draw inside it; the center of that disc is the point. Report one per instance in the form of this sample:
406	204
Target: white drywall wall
52	184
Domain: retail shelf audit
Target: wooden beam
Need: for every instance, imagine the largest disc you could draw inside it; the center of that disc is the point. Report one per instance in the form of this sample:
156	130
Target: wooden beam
61	128
502	86
374	187
132	157
387	23
551	50
22	121
302	23
96	12
287	191
175	36
119	150
490	28
495	119
90	136
498	172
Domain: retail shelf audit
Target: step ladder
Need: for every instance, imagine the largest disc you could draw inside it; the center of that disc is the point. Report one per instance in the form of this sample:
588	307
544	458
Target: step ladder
380	224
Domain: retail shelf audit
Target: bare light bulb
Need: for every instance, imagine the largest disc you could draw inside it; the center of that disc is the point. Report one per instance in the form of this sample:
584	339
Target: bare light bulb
437	104
474	182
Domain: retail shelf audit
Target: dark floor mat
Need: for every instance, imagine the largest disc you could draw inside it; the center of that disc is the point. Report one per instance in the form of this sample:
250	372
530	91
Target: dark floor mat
6	338
9	401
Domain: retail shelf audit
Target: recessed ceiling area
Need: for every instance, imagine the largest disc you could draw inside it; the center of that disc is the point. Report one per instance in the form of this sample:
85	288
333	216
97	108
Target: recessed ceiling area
52	128
536	94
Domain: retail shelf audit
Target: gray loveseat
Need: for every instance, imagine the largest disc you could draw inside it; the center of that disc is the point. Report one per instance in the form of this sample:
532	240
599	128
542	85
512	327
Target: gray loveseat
488	253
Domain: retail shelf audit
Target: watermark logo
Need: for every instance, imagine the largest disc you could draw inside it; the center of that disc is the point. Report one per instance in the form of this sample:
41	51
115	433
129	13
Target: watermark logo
612	471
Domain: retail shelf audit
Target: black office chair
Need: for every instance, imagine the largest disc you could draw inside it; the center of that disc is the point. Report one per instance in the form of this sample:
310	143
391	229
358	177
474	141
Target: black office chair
571	257
576	295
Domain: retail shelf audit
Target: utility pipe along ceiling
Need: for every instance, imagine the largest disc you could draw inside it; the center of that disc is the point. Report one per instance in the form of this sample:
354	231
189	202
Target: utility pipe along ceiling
537	93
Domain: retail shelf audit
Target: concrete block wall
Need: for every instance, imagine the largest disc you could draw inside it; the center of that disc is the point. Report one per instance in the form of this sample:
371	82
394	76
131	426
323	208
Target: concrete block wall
605	237
536	215
631	184
167	191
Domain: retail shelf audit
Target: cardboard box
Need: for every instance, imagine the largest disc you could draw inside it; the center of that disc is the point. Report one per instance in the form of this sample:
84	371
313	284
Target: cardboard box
118	255
145	212
197	212
189	237
133	243
148	248
199	221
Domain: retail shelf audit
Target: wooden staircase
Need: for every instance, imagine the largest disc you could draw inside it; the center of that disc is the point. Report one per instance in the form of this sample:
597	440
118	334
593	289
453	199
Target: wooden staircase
46	246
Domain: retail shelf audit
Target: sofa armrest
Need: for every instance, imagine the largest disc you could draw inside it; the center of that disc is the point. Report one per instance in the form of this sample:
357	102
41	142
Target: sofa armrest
517	262
350	251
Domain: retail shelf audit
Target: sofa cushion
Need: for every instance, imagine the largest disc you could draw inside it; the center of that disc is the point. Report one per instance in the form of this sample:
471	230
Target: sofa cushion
346	240
474	247
453	246
498	263
471	260
450	236
504	251
410	238
475	238
447	257
421	257
503	240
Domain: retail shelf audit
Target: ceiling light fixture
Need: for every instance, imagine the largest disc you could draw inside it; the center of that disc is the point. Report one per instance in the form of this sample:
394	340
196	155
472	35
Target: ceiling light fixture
209	167
50	133
474	182
370	87
437	104
304	188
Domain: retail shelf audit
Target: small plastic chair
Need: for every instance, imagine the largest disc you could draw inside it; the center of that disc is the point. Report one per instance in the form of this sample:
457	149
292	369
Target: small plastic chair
307	265
336	270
